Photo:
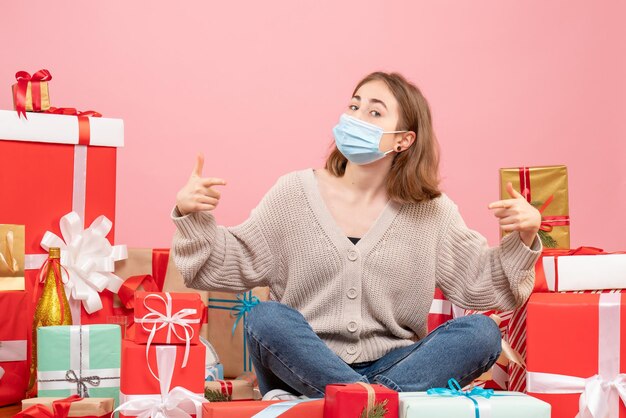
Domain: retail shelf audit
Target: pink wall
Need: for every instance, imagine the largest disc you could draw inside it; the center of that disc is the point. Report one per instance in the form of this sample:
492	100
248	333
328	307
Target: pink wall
258	86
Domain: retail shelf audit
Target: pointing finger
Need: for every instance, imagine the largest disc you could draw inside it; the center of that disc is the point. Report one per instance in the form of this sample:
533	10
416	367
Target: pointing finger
199	164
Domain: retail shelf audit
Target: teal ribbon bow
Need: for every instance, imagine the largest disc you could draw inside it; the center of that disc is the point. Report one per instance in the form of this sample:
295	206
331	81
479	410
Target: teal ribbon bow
454	389
240	306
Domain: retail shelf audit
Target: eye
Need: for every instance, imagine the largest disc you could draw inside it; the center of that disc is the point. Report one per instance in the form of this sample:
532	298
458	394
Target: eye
353	107
375	113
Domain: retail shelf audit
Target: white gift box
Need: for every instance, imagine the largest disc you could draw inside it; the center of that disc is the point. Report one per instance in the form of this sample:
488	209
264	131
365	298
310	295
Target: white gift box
585	272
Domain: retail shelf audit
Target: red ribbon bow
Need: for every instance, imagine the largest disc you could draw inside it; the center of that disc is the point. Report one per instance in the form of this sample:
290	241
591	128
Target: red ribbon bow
60	409
84	132
23	78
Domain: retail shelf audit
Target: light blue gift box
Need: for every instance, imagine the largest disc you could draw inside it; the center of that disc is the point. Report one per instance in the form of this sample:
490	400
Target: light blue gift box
215	371
75	359
477	403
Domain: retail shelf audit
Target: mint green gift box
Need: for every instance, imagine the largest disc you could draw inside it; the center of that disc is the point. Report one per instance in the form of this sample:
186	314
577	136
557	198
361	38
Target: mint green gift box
501	405
83	360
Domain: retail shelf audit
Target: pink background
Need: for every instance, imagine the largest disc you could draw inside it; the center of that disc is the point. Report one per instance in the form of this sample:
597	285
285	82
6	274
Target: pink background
258	86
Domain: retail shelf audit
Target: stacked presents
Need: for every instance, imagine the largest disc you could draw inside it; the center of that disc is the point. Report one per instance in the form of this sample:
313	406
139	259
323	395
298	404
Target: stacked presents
569	334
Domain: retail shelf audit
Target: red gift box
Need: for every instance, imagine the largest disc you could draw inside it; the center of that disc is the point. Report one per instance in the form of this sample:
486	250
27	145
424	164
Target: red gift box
167	318
14	327
164	375
575	345
247	409
53	165
349	400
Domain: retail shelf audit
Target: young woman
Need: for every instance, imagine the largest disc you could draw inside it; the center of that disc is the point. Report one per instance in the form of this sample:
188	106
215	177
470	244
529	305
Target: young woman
352	253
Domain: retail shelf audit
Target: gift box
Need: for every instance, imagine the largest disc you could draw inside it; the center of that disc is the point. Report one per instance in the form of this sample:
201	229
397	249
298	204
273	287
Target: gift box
30	93
310	408
139	374
231	390
85	407
82	360
350	400
14	371
53	165
11	257
584	268
576	346
225	328
167	318
471	404
164	375
546	189
214	372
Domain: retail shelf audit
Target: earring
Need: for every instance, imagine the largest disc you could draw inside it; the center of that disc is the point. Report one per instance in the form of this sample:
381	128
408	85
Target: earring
398	148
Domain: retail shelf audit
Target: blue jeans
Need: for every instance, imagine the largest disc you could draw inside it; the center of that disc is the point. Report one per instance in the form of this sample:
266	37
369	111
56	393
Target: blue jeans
287	354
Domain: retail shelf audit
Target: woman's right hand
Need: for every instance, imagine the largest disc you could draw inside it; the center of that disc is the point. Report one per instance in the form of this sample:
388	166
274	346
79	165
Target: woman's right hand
198	195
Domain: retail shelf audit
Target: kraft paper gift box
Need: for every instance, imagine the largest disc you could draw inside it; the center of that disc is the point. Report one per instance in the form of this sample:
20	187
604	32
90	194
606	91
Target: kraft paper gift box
14	372
501	404
161	375
225	328
350	400
83	360
53	165
31	93
545	188
576	351
309	408
11	257
233	390
168	317
86	407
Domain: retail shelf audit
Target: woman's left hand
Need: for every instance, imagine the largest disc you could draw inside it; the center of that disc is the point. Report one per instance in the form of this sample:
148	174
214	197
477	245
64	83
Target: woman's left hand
516	214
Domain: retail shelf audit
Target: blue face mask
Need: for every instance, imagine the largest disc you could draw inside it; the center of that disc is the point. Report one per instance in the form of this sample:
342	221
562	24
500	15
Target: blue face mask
359	141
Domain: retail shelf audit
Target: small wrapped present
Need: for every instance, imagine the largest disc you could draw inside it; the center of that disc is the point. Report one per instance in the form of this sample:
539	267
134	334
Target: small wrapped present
73	406
475	403
229	390
13	347
214	372
65	163
30	93
82	360
546	189
168	318
140	368
11	257
227	311
583	268
351	400
162	382
310	408
576	355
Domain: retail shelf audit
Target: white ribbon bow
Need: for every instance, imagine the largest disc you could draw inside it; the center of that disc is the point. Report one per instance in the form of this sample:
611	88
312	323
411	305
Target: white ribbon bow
176	403
160	320
88	257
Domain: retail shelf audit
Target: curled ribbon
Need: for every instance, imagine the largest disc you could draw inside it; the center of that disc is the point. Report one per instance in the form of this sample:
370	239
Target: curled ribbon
170	320
175	403
454	389
23	78
9	261
88	258
81	382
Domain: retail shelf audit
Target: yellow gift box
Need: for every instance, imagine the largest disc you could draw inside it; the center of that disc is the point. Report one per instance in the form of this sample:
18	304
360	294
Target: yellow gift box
11	257
37	102
546	189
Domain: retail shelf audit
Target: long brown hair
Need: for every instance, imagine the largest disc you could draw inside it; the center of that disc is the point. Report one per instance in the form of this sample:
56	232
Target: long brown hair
414	174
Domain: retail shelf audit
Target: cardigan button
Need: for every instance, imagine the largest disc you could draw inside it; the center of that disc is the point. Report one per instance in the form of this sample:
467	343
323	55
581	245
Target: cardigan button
352	326
351	349
352	255
352	293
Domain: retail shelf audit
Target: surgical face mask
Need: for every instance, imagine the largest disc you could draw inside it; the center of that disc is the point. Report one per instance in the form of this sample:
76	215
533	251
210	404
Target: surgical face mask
359	141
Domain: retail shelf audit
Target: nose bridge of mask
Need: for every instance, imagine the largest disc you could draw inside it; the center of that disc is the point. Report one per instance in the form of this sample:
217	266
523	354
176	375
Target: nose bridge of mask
371	126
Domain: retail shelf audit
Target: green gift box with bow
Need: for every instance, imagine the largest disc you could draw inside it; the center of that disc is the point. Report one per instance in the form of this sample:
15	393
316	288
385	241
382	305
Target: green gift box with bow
83	360
227	314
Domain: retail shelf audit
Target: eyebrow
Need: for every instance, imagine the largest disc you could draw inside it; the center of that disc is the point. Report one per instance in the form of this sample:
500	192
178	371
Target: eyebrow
372	100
